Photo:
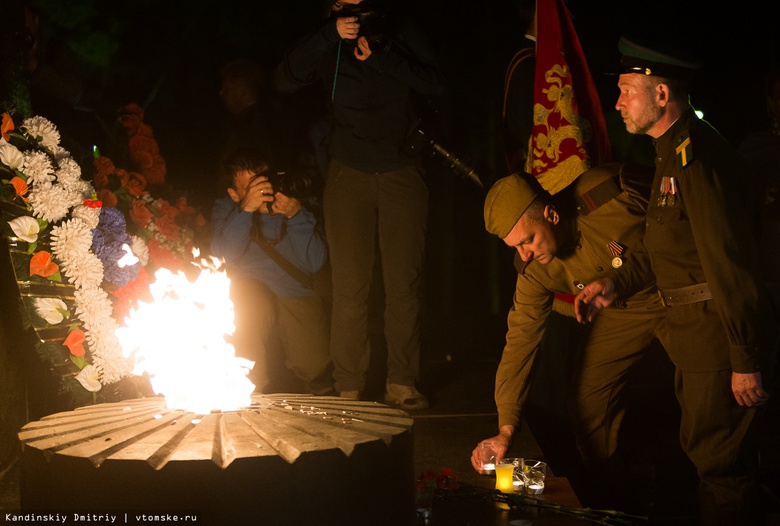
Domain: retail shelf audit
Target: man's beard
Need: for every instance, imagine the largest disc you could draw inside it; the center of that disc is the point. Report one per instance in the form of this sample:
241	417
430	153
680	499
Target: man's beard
645	121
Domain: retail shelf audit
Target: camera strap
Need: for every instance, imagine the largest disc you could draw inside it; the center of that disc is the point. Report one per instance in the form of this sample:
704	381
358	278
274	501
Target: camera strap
335	73
303	278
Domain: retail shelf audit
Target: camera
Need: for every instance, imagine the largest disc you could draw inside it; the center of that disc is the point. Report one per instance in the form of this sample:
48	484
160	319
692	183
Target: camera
292	184
374	24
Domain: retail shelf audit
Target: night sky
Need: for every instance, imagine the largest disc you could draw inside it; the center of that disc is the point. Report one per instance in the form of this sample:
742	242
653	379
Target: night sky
165	55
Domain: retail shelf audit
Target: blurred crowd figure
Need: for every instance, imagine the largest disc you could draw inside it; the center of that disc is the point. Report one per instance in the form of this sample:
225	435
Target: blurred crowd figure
761	148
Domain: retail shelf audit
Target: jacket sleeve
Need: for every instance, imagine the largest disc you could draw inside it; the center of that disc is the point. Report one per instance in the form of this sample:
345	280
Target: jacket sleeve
230	230
412	62
303	62
526	322
303	245
721	231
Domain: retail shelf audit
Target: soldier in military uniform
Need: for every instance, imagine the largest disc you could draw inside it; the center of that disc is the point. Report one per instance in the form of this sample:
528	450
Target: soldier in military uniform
559	249
718	329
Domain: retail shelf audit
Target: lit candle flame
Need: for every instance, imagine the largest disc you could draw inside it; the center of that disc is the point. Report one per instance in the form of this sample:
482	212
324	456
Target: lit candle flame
179	340
128	259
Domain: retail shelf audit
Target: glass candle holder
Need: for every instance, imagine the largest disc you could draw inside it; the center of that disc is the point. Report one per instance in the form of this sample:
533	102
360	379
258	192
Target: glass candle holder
505	475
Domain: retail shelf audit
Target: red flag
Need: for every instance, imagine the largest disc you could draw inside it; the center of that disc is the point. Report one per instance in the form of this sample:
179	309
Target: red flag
569	133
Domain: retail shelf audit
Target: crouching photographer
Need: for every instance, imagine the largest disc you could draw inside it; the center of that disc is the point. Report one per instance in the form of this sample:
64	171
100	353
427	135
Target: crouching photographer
272	248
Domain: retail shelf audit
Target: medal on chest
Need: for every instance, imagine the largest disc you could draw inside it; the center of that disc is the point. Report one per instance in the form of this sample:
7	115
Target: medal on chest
669	190
616	249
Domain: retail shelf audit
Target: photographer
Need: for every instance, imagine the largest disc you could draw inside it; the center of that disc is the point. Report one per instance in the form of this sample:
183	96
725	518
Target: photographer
370	63
272	246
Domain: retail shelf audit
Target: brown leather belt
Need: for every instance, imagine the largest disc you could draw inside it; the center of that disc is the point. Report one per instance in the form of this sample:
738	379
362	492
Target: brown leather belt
685	295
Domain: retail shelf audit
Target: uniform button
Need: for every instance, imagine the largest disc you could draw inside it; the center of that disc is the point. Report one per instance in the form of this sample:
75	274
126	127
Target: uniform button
600	269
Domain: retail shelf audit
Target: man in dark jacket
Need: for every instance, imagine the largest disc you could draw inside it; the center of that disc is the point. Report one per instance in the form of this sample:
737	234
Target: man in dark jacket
718	328
370	63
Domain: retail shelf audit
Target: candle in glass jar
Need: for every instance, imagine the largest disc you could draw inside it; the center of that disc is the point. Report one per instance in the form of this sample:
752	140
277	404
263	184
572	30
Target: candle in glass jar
505	477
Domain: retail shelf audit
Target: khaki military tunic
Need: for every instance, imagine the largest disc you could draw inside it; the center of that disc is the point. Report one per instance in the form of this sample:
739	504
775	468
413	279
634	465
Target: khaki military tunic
608	237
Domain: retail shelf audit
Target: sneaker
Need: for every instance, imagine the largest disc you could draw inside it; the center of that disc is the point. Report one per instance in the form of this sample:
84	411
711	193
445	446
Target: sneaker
353	395
407	397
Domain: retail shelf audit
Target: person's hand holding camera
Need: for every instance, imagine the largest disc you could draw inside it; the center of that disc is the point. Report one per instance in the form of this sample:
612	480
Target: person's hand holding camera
362	49
348	27
287	206
259	195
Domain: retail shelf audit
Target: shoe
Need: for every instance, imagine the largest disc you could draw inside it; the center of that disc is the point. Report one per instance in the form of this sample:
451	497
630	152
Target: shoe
407	397
353	395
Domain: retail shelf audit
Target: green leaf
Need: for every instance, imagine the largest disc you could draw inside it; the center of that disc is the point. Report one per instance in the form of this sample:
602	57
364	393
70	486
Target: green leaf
42	224
31	247
57	276
79	361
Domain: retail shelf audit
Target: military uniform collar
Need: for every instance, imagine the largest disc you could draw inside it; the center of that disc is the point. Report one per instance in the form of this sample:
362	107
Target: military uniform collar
679	126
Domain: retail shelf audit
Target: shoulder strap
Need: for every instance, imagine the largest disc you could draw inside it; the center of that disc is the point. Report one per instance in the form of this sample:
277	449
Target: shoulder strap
600	194
303	278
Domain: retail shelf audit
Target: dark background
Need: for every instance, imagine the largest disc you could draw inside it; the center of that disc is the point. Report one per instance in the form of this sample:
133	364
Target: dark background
165	56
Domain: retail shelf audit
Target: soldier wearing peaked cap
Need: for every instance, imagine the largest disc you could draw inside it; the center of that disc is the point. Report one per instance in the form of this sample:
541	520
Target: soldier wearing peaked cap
563	242
719	329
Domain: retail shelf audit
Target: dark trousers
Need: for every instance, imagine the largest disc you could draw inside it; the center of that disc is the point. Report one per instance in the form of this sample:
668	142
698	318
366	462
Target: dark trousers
362	209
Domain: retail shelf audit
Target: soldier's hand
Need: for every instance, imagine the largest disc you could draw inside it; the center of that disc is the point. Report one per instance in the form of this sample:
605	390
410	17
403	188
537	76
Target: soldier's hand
496	446
594	297
748	389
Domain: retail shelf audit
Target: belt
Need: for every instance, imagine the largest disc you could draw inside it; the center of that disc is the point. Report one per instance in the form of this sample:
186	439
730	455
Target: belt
685	295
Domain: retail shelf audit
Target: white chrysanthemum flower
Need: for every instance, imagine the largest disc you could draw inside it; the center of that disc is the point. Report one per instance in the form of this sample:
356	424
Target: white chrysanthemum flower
94	309
69	171
140	249
37	167
85	270
59	153
71	239
42	130
73	196
89	378
90	216
94	305
84	188
11	156
109	357
53	310
50	201
26	228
